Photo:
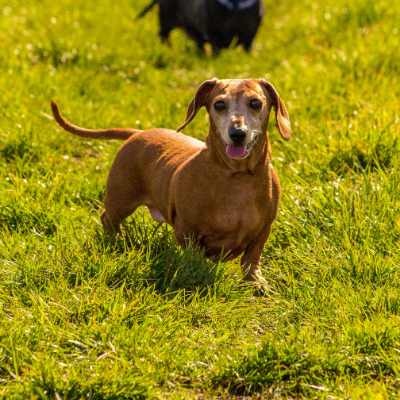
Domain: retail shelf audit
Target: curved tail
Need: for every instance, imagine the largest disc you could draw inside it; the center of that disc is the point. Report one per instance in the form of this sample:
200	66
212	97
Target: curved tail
147	9
105	134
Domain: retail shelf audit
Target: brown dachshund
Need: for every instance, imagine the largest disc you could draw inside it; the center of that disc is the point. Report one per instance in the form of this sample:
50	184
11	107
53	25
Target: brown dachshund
223	194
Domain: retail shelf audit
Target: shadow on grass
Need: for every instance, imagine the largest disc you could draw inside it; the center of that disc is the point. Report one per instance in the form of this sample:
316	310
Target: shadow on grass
14	219
153	258
359	159
146	258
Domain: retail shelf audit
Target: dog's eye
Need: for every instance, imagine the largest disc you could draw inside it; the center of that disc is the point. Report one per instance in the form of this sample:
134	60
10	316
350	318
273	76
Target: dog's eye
255	103
219	105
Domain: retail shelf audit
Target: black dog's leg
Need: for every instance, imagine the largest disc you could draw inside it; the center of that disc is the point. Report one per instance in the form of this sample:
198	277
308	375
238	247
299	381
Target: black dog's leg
219	41
197	36
216	50
246	43
165	29
246	36
168	15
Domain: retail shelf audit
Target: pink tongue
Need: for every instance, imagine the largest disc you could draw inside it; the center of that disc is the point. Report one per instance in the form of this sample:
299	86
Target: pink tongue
236	151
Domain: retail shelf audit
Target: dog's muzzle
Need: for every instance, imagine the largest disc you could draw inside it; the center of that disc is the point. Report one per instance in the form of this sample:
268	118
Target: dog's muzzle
237	135
238	150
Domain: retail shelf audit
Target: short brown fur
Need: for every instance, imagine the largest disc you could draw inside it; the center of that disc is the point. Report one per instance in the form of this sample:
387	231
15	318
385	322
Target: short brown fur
217	202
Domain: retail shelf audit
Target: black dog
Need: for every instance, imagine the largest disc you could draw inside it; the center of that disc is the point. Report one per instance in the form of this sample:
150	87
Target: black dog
211	21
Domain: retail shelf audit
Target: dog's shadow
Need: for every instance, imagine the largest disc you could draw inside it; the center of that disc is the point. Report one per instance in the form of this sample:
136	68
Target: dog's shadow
157	260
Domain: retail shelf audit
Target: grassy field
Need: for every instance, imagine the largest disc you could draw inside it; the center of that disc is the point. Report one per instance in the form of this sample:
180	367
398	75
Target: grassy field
84	317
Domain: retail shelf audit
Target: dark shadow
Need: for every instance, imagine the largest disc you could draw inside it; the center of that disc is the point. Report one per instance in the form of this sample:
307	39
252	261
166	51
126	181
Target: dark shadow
166	266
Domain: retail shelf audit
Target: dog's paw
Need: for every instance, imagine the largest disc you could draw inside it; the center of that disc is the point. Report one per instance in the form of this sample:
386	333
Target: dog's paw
258	282
261	286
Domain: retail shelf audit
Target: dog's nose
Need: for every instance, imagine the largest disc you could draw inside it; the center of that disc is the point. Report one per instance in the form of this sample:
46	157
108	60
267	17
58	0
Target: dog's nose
237	135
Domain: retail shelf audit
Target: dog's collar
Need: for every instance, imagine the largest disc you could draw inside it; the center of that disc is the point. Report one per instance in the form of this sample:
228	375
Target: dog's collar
239	5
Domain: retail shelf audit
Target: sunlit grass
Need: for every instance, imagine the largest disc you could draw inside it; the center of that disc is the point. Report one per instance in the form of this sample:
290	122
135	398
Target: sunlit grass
84	316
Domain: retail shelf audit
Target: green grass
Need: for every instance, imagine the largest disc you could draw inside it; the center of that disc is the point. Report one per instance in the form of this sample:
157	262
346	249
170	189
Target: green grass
83	316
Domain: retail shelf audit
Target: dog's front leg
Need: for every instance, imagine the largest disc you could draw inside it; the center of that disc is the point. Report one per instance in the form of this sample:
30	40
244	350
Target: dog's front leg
250	261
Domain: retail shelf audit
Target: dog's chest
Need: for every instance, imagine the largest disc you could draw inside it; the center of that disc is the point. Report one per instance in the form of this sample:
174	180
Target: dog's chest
233	213
230	225
224	209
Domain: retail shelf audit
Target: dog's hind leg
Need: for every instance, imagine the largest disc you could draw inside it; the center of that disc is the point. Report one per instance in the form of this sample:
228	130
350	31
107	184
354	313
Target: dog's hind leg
116	211
120	201
114	215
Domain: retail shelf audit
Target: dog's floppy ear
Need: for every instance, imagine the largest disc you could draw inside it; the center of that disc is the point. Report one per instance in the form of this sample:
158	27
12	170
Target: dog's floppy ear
281	115
199	100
